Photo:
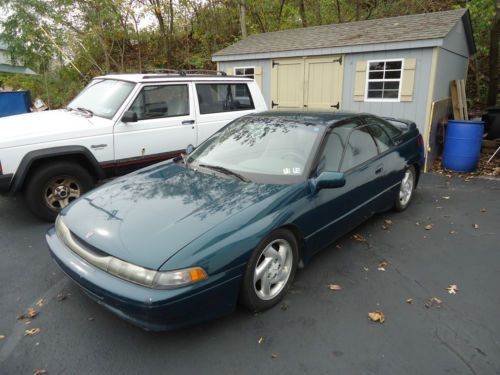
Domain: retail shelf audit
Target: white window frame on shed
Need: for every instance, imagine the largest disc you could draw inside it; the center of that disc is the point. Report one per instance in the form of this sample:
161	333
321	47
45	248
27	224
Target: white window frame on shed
368	80
244	68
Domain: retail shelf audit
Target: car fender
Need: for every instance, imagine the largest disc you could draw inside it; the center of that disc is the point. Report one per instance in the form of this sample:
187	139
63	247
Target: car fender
46	153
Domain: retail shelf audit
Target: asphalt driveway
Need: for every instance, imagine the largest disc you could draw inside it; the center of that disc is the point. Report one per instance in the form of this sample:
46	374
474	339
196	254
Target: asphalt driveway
316	330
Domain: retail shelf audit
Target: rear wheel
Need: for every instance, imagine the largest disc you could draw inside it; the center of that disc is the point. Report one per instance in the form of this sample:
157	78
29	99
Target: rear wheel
53	186
406	189
270	271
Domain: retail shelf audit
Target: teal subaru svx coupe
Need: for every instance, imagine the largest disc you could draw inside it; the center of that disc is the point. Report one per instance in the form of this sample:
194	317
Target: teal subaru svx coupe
184	241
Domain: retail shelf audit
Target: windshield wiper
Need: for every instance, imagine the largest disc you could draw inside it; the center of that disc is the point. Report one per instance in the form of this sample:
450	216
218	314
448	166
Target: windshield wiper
88	112
225	171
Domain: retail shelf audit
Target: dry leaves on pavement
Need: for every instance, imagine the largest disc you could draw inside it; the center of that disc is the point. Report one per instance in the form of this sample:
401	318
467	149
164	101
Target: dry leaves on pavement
446	197
433	302
274	355
382	265
32	332
452	231
452	289
334	287
40	302
261	339
29	314
376	316
2	337
476	226
39	371
483	210
358	237
409	301
428	227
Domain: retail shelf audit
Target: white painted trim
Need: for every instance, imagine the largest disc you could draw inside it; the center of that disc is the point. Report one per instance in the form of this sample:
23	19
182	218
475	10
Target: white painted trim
430	96
244	67
400	80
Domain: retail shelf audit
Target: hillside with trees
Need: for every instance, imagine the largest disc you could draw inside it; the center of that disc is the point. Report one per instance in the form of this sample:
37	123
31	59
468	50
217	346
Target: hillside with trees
70	41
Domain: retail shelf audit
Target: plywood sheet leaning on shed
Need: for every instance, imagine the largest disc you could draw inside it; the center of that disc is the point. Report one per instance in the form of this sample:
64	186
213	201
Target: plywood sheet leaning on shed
440	111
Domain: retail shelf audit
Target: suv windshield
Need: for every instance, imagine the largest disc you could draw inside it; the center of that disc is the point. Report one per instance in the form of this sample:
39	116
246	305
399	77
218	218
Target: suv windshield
261	149
102	97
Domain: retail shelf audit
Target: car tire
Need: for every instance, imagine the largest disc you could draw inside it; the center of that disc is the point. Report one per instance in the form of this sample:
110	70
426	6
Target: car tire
53	186
270	271
406	189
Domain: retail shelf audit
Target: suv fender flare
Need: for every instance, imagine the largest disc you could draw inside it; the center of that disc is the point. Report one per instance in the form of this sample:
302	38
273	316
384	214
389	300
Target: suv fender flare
32	156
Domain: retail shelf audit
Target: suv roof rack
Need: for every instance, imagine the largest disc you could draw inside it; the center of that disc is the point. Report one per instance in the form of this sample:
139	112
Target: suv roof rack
157	73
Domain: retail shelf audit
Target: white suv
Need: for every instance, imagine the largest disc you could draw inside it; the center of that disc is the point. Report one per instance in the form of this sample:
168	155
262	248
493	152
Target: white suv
118	123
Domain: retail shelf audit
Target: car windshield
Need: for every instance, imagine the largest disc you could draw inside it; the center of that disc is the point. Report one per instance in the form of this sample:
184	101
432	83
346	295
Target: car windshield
260	149
102	97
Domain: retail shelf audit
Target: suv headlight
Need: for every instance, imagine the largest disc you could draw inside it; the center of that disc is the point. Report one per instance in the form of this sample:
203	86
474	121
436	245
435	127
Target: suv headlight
128	271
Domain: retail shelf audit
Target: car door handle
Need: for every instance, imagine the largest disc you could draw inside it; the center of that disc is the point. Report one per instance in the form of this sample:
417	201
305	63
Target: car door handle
188	122
379	169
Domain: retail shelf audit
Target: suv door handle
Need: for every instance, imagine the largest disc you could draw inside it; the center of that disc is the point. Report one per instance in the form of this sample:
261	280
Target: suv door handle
188	122
379	169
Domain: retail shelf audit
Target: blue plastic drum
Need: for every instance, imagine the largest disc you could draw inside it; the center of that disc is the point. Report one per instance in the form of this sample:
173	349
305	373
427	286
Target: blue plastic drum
462	145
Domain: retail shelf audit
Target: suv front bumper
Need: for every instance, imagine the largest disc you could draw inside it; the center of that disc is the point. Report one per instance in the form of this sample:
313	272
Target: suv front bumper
5	181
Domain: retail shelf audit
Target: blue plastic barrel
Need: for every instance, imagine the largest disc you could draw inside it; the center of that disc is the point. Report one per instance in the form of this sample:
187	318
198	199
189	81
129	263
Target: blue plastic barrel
462	145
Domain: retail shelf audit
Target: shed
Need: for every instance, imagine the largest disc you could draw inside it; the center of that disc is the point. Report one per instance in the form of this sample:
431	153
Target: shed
394	66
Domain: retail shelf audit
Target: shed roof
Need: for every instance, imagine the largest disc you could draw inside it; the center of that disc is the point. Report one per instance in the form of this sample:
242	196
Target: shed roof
384	30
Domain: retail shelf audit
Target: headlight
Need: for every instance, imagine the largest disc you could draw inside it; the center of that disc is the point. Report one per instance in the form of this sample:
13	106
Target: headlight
128	271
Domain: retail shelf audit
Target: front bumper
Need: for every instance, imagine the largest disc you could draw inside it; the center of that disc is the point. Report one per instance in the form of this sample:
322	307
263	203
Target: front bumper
150	309
5	181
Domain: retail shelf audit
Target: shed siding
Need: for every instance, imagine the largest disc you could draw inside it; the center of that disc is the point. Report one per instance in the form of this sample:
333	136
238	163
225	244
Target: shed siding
450	66
414	110
456	41
266	73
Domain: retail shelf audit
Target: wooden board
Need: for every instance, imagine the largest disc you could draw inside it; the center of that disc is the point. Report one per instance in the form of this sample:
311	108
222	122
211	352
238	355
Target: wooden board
440	111
459	101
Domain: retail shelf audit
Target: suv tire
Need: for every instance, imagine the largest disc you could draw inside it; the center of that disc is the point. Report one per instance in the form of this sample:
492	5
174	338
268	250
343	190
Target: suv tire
53	186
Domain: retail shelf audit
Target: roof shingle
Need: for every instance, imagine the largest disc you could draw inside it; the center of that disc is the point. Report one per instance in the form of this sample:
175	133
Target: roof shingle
383	30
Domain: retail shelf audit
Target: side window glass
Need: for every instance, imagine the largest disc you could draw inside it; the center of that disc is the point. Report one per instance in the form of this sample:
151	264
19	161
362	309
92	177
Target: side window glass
382	140
392	130
223	97
334	148
161	101
360	148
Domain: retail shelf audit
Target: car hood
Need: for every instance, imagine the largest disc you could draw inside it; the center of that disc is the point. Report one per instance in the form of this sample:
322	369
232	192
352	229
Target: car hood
47	126
146	217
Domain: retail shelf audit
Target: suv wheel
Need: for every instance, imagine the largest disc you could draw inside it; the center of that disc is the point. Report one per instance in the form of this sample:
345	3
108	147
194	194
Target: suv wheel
53	186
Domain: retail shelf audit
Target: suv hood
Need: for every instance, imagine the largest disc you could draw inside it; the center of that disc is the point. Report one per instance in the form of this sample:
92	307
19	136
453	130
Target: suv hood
57	125
146	217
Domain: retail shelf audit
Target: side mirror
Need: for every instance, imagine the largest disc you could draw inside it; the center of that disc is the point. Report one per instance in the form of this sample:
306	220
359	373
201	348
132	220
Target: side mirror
189	149
329	180
129	116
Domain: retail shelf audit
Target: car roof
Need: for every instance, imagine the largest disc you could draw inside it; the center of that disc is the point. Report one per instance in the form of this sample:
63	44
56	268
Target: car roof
310	117
177	77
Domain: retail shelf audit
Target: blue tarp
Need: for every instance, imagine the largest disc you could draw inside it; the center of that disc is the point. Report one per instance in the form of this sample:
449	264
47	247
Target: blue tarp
14	102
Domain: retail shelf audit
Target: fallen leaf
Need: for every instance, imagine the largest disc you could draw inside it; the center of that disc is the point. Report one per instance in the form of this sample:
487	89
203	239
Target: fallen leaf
334	287
90	319
388	222
40	302
476	226
446	197
433	302
31	332
483	210
39	371
274	355
409	300
261	340
384	227
2	337
452	289
358	237
439	207
382	265
428	227
417	223
284	306
365	268
62	296
31	313
376	316
452	231
338	246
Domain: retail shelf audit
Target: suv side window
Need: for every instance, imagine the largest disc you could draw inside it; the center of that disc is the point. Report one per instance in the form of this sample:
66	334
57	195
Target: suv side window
223	97
334	148
161	101
360	148
382	140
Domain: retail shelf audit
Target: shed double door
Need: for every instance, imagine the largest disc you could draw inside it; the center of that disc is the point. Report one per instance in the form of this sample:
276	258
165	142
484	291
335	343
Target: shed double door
309	82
